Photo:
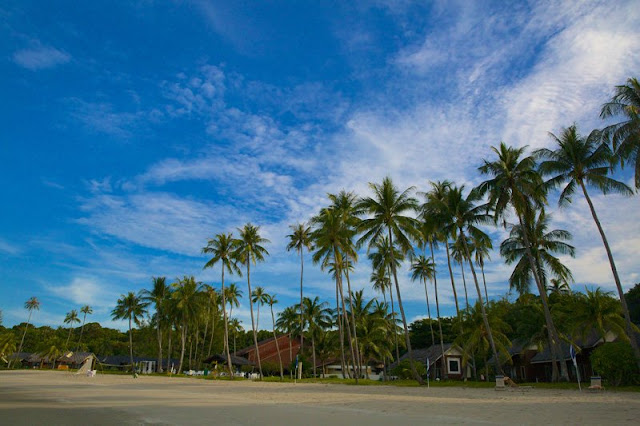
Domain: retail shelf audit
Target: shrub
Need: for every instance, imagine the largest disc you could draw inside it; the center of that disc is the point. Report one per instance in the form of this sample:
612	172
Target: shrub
616	363
403	370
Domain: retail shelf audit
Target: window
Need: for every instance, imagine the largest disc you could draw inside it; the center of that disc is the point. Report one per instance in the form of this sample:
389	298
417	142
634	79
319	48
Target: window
454	365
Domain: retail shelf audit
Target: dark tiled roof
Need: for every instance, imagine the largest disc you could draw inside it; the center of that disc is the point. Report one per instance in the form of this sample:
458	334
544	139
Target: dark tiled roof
434	353
222	358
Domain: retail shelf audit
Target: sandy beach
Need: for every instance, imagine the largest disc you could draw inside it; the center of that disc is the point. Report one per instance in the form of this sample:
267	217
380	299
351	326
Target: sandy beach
56	398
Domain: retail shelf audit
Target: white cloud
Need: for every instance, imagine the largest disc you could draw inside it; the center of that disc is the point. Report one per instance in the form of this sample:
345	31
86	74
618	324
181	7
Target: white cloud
9	248
85	291
40	57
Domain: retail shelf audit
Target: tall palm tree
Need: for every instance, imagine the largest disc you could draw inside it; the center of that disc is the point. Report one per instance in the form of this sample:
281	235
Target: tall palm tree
625	135
85	310
462	215
580	162
188	304
249	250
458	254
131	307
30	305
430	211
233	295
516	183
213	304
423	269
158	295
480	249
381	257
259	297
332	239
387	211
70	318
544	244
234	329
317	317
288	323
299	239
271	300
221	248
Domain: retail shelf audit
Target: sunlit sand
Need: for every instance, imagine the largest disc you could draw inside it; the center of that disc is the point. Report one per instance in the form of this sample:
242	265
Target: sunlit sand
41	397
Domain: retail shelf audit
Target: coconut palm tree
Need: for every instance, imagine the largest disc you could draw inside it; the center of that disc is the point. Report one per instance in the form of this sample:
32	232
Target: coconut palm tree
259	296
625	135
299	239
544	244
30	305
480	247
70	318
558	286
317	316
52	354
580	162
271	300
249	250
516	183
233	295
131	307
234	329
381	257
158	295
430	212
332	239
423	269
221	248
462	215
387	211
188	304
288	323
213	304
85	310
458	254
7	346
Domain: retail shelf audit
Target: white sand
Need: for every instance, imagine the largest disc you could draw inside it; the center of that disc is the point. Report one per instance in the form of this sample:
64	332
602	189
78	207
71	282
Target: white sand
51	398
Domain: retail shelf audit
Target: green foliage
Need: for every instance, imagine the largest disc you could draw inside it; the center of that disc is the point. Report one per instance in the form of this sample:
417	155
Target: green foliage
616	363
633	302
403	369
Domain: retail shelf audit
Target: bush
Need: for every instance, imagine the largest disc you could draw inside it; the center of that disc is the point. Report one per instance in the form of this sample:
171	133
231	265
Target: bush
270	368
403	370
616	363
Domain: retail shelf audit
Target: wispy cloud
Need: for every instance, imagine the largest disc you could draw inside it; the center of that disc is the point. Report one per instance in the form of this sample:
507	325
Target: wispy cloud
85	291
9	248
40	57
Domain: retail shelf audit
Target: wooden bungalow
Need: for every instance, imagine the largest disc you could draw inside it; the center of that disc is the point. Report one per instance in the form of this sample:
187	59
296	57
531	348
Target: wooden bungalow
74	360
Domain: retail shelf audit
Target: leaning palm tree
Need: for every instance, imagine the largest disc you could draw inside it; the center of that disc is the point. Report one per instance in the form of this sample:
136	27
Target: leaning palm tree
480	248
86	310
271	300
70	318
30	305
387	211
221	248
259	297
131	307
578	162
158	295
544	244
249	250
299	239
516	183
423	269
625	135
460	256
317	317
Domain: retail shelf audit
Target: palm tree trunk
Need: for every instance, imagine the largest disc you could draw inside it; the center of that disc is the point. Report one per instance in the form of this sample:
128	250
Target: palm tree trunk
273	319
353	320
404	318
22	340
340	332
393	314
133	368
453	284
435	287
159	335
464	284
625	309
206	329
183	341
253	324
81	331
66	345
552	334
313	351
485	318
301	308
290	354
354	361
484	280
213	329
169	348
226	327
426	293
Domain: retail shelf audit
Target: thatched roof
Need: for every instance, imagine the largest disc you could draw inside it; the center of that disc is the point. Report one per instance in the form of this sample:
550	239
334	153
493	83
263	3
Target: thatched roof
75	357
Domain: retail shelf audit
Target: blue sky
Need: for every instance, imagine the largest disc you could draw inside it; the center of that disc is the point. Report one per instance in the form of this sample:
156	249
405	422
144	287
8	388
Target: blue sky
134	131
